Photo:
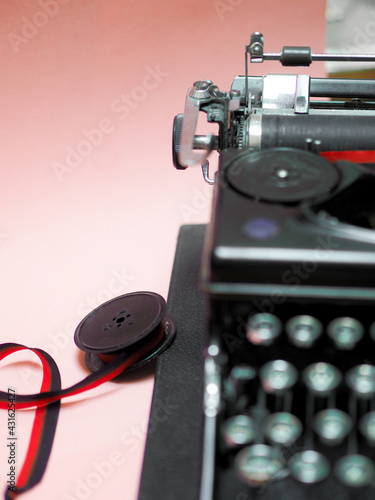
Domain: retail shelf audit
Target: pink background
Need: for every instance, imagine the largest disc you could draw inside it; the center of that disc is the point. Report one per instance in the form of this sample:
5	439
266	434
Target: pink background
107	226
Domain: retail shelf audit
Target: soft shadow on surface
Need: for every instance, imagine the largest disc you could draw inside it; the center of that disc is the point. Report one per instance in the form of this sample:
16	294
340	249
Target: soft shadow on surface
132	375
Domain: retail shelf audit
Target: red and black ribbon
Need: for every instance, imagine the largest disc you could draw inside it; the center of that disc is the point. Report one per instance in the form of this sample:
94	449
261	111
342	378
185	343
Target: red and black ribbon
47	404
44	426
353	156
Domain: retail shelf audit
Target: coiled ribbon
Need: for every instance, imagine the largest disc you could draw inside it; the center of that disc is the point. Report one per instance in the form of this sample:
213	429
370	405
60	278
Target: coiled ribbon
47	404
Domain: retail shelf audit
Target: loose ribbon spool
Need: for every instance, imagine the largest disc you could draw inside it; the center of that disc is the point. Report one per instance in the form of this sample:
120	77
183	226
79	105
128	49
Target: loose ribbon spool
121	334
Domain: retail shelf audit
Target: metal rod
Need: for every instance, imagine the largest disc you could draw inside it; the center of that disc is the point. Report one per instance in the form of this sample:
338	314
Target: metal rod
352	439
246	82
331	403
208	468
309	436
200	142
344	57
275	56
288	398
260	411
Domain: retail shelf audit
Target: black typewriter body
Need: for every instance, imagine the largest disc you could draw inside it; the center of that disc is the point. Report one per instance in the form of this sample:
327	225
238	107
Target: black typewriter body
289	273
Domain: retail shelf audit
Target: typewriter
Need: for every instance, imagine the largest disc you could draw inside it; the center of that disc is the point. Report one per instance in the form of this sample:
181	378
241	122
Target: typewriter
289	273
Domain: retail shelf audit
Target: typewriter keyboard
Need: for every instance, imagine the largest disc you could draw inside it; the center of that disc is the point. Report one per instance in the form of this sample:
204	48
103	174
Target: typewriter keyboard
298	417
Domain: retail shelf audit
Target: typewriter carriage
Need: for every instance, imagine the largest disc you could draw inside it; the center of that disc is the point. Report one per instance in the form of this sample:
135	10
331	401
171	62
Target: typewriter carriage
277	110
284	183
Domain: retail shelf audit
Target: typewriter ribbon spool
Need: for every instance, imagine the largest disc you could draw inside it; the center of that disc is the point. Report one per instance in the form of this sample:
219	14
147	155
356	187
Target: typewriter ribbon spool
122	334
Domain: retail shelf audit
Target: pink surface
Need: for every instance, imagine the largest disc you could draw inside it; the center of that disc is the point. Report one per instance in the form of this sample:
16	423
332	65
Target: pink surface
73	236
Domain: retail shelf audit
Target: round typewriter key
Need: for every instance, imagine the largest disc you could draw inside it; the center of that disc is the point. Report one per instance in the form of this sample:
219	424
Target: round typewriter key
321	378
332	426
259	464
309	467
345	332
278	376
238	431
355	470
282	428
361	380
263	329
303	330
367	427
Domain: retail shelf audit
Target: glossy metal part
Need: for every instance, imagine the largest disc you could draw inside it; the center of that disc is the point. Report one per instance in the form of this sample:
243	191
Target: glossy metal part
238	430
278	376
303	331
309	467
263	329
345	332
258	464
282	428
257	54
355	470
255	48
302	97
332	426
201	89
321	378
366	426
196	94
206	174
211	407
361	380
279	91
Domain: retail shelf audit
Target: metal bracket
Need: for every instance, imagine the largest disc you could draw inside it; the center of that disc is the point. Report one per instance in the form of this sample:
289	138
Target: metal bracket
195	96
287	92
302	97
279	91
255	47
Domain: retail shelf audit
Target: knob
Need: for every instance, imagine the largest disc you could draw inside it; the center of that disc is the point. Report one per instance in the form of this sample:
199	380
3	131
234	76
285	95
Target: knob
177	128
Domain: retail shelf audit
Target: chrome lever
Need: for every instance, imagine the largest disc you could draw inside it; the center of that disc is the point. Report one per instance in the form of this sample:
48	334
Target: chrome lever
196	95
206	175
